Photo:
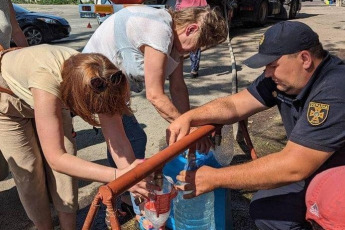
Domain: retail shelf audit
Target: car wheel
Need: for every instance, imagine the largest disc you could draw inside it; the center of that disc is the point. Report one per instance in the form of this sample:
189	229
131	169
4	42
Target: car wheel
293	9
261	18
33	35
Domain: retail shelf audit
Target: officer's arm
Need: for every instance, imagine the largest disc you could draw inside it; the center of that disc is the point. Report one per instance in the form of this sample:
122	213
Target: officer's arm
294	163
225	110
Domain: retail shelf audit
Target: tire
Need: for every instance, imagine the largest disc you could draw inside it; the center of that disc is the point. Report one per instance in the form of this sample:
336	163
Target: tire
33	35
293	9
261	18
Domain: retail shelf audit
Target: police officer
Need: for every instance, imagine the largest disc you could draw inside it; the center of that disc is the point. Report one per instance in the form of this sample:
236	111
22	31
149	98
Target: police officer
307	85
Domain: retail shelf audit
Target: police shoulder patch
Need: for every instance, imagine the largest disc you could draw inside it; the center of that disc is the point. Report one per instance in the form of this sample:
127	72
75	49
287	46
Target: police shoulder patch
317	113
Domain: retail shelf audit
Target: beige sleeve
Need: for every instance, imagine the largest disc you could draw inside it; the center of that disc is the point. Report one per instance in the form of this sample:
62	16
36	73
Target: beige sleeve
46	80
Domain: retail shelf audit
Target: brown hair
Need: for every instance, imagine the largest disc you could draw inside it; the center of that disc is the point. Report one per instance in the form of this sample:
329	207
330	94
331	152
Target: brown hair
79	93
318	51
213	28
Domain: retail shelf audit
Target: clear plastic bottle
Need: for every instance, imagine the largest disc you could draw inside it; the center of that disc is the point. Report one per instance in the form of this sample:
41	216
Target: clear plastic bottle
151	215
163	197
196	213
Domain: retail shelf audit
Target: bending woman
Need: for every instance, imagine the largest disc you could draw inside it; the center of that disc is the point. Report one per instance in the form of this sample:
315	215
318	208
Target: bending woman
148	45
49	82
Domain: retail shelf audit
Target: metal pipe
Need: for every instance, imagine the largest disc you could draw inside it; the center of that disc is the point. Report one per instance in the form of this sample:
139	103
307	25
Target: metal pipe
92	212
115	188
157	161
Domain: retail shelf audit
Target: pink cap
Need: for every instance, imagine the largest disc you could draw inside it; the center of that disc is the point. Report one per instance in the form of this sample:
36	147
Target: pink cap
325	199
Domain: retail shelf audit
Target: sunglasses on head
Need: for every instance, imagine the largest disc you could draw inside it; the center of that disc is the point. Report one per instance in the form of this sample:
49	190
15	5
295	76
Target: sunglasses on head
99	84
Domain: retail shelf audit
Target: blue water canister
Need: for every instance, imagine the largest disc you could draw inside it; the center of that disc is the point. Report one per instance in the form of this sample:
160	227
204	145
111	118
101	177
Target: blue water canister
209	211
196	213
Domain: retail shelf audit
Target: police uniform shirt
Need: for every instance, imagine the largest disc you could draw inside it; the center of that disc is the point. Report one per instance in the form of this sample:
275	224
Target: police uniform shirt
315	118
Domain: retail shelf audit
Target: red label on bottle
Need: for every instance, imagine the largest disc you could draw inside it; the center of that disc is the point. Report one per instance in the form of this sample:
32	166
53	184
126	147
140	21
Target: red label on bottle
162	203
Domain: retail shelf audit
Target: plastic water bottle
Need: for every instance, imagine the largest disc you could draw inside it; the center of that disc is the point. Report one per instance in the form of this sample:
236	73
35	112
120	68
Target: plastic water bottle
196	213
157	211
151	215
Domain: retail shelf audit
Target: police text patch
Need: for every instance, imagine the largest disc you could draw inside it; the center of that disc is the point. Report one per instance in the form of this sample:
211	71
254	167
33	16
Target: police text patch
317	113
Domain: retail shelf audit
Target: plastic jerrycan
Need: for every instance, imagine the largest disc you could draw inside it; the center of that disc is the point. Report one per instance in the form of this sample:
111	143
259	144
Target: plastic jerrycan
222	205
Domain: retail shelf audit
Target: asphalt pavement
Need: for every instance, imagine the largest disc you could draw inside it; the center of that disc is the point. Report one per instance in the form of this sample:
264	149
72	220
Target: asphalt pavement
214	82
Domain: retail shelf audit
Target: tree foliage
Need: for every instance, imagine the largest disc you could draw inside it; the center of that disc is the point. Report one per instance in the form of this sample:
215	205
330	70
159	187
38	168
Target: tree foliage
46	2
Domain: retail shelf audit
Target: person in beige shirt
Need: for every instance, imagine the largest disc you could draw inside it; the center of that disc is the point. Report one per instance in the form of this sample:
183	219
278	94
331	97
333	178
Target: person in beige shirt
48	83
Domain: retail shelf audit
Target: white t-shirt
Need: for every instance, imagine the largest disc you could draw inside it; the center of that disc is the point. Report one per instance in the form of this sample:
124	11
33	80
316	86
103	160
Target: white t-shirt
120	37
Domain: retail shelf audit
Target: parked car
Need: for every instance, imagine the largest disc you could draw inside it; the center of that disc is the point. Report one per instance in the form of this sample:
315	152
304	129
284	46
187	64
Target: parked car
40	28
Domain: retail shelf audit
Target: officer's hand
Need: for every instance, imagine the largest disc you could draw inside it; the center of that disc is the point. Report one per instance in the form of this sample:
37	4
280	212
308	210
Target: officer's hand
198	182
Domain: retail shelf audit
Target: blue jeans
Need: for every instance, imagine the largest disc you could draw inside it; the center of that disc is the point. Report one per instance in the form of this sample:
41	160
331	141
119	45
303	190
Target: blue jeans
137	137
195	60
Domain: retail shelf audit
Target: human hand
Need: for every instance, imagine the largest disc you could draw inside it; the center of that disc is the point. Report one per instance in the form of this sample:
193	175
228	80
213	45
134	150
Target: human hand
204	144
142	188
198	181
177	129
